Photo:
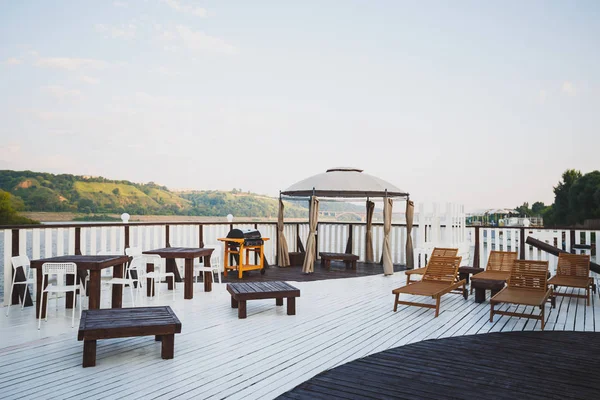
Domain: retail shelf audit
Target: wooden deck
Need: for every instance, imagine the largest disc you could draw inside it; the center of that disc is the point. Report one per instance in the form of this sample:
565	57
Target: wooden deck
218	355
549	365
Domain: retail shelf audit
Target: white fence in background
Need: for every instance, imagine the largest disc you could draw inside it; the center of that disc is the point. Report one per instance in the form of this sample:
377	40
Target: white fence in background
436	229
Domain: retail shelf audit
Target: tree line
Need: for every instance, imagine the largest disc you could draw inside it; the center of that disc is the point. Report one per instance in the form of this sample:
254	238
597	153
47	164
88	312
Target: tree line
576	198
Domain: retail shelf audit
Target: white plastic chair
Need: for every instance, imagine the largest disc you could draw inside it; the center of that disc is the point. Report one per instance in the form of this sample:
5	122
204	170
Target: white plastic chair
159	273
215	262
127	279
60	270
23	263
133	251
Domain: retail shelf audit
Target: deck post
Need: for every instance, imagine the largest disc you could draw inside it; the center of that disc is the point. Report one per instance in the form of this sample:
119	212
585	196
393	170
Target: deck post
476	255
19	290
167	238
572	239
522	245
126	237
201	236
78	241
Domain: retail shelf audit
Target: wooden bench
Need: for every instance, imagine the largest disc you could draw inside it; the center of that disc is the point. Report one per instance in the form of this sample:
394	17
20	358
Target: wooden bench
242	292
345	257
127	322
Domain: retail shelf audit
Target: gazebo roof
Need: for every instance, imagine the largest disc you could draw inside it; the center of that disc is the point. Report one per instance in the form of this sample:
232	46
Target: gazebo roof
344	182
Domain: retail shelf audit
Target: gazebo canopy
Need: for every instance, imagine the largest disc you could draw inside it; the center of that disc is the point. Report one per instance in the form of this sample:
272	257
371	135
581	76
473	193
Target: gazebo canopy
344	182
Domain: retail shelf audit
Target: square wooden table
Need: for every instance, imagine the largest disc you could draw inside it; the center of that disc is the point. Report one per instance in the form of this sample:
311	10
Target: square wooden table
93	264
187	253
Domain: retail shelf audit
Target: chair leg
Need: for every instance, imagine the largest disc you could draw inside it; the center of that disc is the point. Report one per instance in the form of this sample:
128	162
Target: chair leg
9	298
396	302
73	314
132	298
491	312
40	312
437	306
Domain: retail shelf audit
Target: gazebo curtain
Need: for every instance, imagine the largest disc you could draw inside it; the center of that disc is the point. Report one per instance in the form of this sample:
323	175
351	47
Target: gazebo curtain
309	257
388	266
369	257
410	213
283	255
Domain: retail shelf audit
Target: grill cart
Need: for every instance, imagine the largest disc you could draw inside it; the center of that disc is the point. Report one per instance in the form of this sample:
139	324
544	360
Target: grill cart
238	245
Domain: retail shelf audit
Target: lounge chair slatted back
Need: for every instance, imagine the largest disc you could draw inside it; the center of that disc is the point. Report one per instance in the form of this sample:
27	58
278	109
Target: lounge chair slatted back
501	260
573	271
577	265
442	269
437	252
528	286
529	274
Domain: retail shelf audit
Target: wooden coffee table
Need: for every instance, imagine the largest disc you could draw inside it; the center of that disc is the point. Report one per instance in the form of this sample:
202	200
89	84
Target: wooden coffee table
242	292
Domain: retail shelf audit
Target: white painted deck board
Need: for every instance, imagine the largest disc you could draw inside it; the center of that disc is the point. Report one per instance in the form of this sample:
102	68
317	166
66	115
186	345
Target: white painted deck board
336	321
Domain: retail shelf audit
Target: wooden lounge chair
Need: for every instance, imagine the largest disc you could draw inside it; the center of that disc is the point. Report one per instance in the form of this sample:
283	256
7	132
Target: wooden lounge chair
437	252
498	266
527	285
572	270
439	279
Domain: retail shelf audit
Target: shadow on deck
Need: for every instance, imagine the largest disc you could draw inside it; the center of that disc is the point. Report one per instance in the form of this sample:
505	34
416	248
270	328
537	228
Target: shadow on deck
294	273
514	365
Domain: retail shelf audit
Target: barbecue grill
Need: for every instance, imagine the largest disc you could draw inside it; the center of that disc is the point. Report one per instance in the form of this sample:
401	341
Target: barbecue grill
239	243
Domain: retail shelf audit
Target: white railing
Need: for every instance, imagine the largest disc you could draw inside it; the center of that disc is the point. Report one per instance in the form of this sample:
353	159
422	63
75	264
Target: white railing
48	241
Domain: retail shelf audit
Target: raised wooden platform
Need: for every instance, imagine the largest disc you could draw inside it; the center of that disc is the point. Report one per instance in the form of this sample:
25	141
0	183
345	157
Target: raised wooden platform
549	365
244	291
338	321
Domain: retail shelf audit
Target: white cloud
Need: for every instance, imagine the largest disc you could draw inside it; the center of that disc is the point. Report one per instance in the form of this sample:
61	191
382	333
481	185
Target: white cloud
195	41
70	64
569	88
61	92
10	152
13	61
88	79
542	96
166	71
185	8
119	4
127	31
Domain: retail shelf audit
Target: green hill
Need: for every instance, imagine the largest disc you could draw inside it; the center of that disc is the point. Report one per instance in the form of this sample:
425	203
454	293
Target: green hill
40	191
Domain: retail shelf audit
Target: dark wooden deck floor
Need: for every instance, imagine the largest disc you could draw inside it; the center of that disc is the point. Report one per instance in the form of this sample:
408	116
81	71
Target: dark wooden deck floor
294	273
516	365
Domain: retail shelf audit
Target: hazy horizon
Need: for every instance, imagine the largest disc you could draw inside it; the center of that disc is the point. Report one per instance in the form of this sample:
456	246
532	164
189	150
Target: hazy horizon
477	103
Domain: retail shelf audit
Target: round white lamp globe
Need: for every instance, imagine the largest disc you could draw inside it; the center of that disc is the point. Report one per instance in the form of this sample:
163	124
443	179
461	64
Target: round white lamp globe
125	218
229	218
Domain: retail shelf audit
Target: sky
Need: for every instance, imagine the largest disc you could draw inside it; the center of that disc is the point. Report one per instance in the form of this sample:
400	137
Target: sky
484	104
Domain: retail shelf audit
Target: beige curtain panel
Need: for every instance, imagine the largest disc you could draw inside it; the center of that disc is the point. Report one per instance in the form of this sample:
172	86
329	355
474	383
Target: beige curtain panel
283	255
369	257
388	266
309	257
410	213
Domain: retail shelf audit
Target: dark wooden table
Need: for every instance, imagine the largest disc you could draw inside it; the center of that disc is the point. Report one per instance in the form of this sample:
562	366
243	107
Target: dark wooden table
348	259
241	292
187	253
128	322
93	264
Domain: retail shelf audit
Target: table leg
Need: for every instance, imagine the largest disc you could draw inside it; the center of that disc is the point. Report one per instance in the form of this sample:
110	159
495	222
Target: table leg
149	283
242	309
279	301
94	287
188	285
168	347
171	266
117	290
479	295
89	353
234	303
69	295
38	296
208	276
291	306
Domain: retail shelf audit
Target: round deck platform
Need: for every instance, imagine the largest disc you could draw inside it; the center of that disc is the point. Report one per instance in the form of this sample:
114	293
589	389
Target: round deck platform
515	365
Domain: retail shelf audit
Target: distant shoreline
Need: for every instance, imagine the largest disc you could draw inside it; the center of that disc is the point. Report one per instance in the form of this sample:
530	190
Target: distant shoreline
69	216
